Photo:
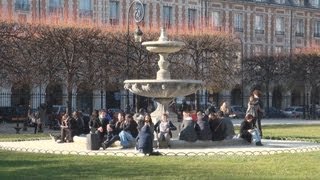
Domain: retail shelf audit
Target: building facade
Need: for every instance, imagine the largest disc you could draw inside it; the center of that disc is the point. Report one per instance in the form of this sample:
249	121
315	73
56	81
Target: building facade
262	27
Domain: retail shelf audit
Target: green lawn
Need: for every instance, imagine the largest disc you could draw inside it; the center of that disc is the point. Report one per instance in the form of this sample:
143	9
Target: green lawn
17	165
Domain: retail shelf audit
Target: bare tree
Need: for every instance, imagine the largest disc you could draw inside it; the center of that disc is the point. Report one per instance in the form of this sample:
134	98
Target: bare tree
264	70
305	70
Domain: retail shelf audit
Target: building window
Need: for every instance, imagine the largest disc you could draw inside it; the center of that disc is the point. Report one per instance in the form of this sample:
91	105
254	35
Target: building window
299	2
280	26
238	20
22	5
167	16
114	12
280	1
85	8
315	3
300	28
278	50
55	6
258	50
317	29
259	27
216	20
192	18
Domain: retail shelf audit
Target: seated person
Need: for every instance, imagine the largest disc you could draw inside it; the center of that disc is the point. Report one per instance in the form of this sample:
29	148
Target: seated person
68	129
144	139
227	125
204	127
248	132
217	129
189	128
113	130
129	132
163	129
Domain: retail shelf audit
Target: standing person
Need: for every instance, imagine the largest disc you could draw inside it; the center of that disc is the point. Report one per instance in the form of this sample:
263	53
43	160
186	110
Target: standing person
225	109
257	95
204	127
249	132
163	130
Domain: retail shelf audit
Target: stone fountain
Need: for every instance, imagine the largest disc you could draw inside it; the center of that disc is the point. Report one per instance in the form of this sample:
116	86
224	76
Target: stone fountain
163	88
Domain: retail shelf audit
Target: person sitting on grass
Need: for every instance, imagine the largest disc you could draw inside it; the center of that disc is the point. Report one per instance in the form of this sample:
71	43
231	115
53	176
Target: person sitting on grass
249	132
144	139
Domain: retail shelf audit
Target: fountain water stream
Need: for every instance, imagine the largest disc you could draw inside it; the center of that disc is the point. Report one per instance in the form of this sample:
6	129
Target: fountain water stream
163	88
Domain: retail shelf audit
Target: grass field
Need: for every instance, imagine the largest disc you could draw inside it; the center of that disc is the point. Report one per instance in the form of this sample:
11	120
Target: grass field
17	165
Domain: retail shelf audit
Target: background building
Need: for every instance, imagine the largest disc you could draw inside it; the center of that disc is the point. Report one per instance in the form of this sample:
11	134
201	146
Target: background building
261	26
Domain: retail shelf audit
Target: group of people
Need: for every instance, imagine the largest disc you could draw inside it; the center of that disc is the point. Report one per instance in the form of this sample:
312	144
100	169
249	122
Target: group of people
139	130
213	126
250	128
133	130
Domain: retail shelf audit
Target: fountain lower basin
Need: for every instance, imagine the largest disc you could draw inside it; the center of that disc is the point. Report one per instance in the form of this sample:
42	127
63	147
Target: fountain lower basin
169	88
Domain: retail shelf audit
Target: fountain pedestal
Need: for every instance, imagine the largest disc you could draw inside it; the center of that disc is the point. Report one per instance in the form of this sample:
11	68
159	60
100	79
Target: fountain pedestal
163	88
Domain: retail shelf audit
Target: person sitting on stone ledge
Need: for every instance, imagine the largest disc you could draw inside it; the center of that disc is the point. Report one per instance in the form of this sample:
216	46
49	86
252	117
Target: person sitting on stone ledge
249	132
68	129
216	126
113	130
204	127
228	128
129	132
163	130
189	128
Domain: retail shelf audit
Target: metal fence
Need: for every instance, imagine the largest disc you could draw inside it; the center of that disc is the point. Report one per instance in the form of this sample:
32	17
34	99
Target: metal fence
181	153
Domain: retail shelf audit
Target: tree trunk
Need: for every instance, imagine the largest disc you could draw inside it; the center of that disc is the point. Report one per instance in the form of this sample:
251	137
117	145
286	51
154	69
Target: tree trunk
69	96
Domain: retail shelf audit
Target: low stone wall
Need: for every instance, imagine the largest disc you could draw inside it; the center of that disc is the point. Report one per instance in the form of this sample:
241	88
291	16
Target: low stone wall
175	143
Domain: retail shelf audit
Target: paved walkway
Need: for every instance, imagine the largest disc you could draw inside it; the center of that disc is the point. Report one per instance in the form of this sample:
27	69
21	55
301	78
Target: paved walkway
79	147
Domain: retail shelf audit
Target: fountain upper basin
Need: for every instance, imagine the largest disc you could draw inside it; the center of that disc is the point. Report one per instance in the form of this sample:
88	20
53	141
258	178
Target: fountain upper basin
163	46
168	88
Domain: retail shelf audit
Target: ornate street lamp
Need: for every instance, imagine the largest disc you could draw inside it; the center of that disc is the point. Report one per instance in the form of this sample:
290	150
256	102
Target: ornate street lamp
138	17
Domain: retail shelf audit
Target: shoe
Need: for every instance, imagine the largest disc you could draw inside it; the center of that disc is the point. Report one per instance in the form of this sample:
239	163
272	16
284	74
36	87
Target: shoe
103	145
59	141
259	143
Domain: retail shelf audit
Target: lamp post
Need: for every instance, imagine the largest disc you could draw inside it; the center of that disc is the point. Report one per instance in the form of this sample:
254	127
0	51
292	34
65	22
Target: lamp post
138	17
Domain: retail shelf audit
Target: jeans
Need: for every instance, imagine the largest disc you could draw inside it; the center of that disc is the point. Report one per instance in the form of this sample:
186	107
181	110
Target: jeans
126	139
256	135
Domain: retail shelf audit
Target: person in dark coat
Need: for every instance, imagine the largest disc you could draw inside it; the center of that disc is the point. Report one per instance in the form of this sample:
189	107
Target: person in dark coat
216	127
204	127
188	129
144	139
248	132
93	122
113	130
129	132
258	95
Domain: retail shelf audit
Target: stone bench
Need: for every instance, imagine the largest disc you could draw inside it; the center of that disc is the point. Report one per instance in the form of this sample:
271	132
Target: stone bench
175	143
